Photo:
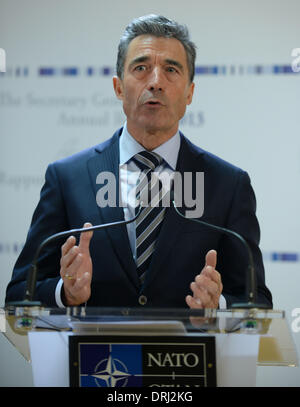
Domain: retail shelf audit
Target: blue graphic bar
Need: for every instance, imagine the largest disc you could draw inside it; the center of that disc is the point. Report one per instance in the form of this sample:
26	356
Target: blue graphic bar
72	71
243	69
282	69
290	257
8	247
51	71
108	71
268	256
209	70
47	71
294	257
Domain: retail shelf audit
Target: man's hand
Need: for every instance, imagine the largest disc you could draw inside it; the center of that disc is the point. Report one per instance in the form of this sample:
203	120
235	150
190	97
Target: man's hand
76	268
207	286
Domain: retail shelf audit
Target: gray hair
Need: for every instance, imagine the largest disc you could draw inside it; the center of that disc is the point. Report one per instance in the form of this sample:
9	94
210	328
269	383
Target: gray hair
158	26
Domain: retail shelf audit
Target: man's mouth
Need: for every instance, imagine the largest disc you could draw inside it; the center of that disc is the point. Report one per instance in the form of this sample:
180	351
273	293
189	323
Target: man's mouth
153	103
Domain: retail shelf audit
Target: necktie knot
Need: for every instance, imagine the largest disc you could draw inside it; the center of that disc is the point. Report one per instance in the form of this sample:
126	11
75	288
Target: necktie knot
147	160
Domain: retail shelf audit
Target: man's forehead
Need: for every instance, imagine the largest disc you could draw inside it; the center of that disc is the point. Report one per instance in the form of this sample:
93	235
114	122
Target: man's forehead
144	46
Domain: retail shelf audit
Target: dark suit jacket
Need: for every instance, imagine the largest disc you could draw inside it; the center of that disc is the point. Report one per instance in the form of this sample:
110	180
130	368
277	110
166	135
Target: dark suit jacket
68	199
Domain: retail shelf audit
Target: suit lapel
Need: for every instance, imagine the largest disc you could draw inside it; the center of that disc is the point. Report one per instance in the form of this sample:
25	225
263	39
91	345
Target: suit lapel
107	160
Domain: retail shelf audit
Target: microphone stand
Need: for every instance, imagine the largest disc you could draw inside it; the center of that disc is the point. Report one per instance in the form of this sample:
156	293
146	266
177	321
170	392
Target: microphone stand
251	277
32	276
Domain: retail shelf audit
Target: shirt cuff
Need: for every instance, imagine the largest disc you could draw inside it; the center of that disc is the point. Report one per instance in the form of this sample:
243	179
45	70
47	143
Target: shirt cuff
58	294
222	302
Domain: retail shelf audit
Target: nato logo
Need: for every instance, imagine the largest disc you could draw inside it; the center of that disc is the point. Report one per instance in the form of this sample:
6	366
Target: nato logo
153	361
110	365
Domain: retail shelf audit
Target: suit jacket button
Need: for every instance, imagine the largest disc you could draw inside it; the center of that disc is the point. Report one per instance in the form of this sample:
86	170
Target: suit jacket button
142	300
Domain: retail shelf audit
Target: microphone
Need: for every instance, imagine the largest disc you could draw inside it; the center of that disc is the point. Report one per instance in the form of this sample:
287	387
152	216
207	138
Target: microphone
32	276
250	275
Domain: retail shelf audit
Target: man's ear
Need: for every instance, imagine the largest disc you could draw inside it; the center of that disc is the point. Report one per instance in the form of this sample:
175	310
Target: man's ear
190	93
118	87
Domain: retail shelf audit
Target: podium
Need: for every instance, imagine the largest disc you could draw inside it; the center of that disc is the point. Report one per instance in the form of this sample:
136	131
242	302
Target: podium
146	347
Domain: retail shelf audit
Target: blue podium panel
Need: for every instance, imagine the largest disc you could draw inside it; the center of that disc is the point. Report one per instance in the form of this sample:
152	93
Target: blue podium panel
114	361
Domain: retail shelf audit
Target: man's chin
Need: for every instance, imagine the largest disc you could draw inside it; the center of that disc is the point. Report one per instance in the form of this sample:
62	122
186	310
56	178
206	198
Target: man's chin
154	125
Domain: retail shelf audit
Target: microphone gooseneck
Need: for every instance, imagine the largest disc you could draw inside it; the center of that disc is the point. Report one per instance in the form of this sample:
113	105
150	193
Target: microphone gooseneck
32	276
251	277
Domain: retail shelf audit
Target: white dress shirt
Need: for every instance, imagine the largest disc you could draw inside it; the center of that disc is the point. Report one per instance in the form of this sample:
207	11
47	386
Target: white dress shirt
129	172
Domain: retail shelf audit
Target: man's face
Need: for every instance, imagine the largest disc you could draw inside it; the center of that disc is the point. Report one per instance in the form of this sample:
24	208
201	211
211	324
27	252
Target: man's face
155	88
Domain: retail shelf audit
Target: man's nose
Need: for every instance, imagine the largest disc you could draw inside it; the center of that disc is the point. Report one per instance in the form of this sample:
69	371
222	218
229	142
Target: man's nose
156	80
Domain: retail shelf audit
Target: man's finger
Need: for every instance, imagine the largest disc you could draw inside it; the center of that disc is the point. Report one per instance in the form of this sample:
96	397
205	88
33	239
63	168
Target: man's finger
211	274
211	258
69	257
69	243
193	303
85	238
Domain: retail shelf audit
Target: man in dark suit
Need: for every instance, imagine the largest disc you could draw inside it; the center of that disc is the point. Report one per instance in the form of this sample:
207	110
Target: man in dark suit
155	71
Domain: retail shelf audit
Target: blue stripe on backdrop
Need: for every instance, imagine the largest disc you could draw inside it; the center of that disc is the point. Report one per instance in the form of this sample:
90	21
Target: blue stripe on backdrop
268	256
230	70
291	257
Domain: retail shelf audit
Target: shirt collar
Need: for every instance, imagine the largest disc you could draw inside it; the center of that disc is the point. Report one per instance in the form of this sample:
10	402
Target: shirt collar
168	150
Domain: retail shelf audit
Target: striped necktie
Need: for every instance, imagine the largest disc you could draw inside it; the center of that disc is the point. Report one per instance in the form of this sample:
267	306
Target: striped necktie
150	220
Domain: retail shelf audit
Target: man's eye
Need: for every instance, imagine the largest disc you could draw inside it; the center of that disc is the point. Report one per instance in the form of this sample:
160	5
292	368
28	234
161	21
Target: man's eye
171	69
140	68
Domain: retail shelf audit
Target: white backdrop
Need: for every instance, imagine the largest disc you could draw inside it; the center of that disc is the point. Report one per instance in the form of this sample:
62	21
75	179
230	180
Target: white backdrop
56	98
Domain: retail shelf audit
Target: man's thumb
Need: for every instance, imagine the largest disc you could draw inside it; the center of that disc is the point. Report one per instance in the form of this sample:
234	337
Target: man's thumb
211	258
